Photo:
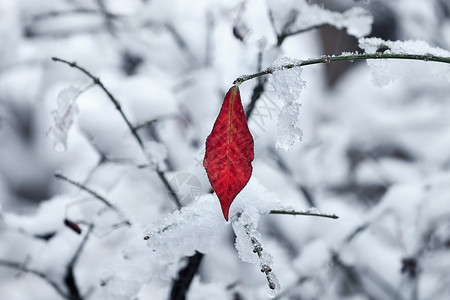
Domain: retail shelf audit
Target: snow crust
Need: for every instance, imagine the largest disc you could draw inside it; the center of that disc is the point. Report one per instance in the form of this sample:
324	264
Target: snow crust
193	228
287	84
64	116
198	227
387	71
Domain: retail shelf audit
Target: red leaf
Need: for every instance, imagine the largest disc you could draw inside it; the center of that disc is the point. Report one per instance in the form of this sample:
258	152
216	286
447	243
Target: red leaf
72	225
229	151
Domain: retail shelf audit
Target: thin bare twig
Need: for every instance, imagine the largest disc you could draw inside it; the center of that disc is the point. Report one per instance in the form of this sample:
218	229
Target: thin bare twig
284	35
303	213
258	249
94	194
86	189
351	57
258	90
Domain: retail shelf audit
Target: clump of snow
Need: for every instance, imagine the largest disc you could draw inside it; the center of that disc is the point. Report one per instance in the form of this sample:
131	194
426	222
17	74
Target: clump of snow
386	71
314	210
64	117
197	227
357	21
193	228
370	45
129	269
250	204
244	236
288	84
156	154
251	249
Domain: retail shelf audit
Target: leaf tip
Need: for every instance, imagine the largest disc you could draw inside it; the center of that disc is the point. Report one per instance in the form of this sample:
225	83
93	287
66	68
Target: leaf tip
225	211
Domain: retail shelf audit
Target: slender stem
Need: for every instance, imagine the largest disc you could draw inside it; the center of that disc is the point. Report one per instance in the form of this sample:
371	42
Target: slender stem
80	248
116	103
258	90
86	189
281	37
352	57
93	193
172	193
303	213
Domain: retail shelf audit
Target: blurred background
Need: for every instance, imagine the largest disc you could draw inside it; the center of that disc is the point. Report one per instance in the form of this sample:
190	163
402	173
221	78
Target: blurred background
375	154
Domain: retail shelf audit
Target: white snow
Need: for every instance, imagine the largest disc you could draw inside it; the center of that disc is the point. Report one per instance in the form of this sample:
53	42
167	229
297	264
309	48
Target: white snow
288	84
243	243
356	20
252	250
370	45
387	71
197	227
63	117
193	228
377	157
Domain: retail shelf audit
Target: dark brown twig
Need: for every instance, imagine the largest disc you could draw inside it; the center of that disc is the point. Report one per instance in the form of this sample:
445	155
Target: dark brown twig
181	285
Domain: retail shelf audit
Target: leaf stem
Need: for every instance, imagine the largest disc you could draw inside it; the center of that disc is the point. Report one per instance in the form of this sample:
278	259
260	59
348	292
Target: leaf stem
352	57
303	213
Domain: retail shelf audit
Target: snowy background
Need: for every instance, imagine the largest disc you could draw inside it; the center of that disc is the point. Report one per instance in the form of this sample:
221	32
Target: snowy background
367	141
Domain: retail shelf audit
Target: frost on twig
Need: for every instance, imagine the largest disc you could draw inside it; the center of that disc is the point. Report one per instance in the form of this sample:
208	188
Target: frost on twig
63	117
251	250
385	72
198	226
288	84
